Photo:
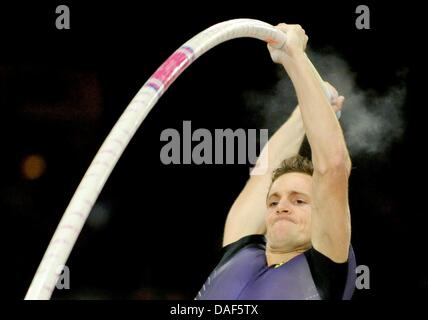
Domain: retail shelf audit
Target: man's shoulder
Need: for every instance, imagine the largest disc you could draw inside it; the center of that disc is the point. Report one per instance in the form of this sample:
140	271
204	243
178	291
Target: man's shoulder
253	240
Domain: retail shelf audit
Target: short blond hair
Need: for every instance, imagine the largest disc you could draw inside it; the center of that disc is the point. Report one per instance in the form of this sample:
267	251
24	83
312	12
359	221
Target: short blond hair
296	163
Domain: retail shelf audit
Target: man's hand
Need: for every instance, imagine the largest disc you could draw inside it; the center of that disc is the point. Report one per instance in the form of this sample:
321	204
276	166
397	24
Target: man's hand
295	43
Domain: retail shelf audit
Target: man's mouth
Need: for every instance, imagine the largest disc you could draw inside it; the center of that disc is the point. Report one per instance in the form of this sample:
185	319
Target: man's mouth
285	218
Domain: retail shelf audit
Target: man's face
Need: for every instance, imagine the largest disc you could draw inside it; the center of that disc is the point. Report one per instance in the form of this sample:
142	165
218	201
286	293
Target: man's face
288	218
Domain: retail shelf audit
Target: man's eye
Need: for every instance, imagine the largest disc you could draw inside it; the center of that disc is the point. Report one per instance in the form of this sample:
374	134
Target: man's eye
300	201
273	203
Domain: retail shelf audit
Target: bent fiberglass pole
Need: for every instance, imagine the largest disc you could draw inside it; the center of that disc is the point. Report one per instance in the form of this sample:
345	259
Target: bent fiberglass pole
102	165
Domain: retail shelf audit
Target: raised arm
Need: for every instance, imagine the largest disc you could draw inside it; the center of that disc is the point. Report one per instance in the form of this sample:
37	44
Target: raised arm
331	229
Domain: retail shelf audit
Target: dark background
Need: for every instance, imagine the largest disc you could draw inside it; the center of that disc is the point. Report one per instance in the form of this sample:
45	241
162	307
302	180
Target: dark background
157	229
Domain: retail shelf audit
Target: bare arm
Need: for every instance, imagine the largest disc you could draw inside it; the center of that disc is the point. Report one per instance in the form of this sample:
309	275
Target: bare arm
330	211
247	213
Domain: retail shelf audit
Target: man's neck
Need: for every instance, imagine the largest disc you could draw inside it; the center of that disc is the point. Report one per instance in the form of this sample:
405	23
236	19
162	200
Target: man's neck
274	257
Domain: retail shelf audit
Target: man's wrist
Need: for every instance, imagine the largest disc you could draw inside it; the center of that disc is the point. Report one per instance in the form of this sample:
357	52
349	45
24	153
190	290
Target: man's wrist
291	61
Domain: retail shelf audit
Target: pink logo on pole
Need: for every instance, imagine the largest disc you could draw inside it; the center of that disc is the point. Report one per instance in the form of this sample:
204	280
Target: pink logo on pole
171	68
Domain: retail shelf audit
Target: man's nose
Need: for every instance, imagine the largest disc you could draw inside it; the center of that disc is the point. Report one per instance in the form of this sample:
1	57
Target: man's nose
283	207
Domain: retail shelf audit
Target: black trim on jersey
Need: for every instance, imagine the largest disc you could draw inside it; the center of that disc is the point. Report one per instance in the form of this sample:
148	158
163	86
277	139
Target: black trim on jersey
329	276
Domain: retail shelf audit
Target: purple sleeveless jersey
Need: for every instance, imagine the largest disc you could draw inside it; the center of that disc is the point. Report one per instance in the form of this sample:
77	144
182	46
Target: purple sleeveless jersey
246	276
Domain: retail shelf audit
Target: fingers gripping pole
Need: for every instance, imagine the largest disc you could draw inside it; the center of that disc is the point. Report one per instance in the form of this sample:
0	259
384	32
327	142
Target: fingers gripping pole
112	148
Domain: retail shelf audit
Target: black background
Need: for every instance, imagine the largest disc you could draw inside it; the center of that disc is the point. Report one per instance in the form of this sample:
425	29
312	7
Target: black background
61	91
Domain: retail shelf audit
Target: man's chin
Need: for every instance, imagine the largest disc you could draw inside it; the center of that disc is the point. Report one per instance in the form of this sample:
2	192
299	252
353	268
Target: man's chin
280	239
